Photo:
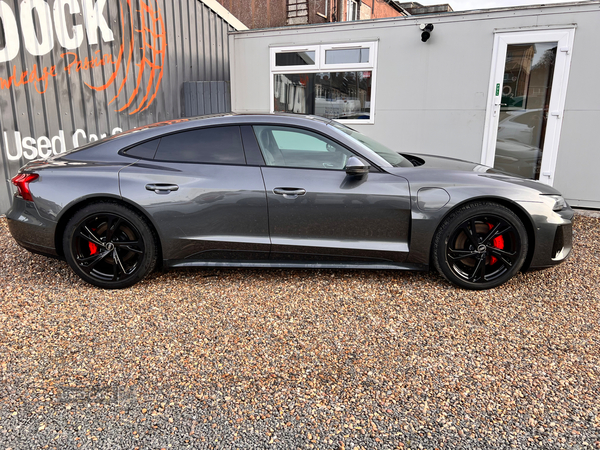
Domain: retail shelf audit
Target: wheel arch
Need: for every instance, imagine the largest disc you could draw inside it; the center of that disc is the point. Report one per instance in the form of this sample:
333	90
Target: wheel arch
71	209
514	207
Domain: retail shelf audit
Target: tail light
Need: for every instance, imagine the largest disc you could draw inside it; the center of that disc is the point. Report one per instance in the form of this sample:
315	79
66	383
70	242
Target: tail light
21	181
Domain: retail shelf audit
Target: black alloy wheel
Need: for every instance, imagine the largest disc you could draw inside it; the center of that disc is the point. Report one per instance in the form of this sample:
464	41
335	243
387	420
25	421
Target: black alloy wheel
109	245
480	246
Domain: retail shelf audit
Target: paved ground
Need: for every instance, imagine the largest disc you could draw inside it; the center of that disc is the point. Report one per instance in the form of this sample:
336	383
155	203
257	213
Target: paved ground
300	359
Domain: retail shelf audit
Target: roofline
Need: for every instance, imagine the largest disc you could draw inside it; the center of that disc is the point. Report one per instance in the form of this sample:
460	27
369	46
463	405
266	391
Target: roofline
408	20
235	117
522	7
224	14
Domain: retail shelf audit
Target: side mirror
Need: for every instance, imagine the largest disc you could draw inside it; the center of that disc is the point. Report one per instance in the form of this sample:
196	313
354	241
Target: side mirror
355	166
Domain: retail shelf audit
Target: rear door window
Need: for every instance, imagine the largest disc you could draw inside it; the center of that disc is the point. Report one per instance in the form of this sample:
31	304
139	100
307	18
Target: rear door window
217	145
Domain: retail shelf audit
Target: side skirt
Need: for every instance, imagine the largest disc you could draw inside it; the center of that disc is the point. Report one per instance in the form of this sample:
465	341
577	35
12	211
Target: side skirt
294	265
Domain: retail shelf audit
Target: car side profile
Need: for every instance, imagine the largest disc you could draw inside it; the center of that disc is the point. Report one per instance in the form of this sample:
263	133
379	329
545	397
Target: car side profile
279	190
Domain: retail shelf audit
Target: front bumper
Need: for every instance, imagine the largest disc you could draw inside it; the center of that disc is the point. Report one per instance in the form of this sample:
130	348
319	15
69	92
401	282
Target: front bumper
29	229
553	237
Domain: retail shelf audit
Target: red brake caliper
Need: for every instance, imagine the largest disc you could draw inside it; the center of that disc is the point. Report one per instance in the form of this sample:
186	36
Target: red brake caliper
93	247
497	242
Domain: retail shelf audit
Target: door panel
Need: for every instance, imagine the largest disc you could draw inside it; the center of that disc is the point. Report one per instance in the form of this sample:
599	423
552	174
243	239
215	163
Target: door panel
528	87
202	211
337	217
526	91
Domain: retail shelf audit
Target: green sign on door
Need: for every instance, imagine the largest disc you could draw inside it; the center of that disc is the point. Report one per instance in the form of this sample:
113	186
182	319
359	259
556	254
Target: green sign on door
498	89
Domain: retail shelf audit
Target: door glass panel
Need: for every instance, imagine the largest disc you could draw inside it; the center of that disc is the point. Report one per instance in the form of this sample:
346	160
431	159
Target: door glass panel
526	89
294	147
219	145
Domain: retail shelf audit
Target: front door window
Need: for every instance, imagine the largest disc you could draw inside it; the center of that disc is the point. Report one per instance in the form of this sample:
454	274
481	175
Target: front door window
295	147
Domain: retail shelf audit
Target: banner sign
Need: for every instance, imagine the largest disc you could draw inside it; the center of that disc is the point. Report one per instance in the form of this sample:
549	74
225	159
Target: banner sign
34	28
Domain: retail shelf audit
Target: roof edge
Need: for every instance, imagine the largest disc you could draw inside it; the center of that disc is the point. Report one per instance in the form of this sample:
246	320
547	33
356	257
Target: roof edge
224	14
434	17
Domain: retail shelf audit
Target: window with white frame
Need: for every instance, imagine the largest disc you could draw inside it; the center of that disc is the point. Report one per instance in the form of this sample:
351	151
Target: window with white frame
352	10
334	81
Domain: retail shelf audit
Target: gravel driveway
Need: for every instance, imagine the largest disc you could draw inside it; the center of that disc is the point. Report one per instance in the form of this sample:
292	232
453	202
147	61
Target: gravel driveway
300	359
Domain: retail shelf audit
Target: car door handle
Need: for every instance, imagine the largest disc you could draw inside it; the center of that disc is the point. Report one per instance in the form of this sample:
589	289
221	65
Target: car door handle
162	188
289	192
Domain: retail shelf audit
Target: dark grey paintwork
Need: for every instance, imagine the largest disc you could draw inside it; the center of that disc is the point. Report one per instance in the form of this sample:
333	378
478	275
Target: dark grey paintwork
231	215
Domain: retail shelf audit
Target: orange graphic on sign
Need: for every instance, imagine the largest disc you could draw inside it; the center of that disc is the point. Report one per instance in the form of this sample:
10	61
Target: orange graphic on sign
29	76
152	43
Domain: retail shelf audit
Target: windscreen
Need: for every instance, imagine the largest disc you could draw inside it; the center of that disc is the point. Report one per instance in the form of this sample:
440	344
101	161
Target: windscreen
395	159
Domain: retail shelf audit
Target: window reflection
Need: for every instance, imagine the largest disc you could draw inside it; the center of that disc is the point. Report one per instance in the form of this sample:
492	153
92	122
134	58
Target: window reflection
526	89
295	59
347	56
334	95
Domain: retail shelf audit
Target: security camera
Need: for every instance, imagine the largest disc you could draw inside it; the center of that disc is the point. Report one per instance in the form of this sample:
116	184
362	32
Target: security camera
427	29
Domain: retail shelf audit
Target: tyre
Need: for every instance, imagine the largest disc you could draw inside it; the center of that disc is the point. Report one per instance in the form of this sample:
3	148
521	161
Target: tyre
480	246
109	245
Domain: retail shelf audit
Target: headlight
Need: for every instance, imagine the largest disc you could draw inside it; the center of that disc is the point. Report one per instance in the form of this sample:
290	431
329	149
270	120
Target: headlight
559	202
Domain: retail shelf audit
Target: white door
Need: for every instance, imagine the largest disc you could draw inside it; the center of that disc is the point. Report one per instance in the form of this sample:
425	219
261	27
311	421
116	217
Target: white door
528	84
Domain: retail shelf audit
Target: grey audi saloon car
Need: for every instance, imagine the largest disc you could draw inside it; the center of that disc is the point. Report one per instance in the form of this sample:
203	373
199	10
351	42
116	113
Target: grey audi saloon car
280	191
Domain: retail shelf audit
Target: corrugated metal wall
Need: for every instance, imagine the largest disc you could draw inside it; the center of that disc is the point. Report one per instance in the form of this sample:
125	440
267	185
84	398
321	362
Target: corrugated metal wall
206	97
73	71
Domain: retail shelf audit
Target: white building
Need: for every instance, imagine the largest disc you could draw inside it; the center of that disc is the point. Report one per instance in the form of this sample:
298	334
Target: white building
515	88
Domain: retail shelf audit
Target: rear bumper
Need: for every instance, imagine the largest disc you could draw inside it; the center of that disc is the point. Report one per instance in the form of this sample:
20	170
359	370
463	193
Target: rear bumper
29	229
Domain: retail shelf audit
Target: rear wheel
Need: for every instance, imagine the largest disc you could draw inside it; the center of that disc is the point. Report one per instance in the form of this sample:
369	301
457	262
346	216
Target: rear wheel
480	246
109	245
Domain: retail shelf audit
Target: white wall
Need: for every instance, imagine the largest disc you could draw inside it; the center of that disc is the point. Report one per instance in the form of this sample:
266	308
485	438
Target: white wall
432	97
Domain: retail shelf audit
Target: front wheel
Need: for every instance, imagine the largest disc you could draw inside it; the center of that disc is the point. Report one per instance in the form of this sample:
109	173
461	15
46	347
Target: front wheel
480	246
109	245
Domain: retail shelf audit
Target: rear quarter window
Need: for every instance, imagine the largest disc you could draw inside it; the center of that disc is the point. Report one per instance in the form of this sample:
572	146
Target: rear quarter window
145	150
